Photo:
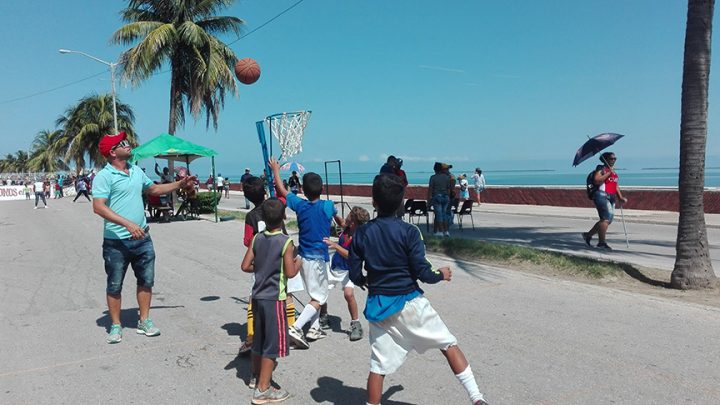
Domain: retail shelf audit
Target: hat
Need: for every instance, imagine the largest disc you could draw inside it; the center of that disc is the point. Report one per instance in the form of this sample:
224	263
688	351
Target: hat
109	141
247	169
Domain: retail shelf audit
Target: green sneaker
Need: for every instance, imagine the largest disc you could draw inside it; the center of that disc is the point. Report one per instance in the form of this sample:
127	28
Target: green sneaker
115	335
148	328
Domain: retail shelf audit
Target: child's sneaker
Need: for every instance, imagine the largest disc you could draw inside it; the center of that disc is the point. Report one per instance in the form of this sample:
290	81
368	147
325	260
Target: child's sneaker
245	348
271	395
253	382
356	332
586	236
147	328
315	334
603	245
324	321
115	335
298	337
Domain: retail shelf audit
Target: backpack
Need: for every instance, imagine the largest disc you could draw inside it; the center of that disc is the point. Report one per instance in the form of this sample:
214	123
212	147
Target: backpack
590	186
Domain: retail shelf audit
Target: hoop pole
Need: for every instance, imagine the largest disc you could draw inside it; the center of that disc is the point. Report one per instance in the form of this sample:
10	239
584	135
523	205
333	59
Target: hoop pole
260	125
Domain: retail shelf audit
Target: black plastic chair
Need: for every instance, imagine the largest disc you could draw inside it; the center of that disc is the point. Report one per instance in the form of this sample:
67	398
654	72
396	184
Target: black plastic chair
465	209
408	207
419	208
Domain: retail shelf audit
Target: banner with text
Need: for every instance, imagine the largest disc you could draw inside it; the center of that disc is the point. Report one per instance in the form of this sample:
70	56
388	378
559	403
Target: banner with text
8	193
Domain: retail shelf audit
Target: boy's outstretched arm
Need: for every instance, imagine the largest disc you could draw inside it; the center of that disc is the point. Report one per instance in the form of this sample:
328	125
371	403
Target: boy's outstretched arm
279	186
420	267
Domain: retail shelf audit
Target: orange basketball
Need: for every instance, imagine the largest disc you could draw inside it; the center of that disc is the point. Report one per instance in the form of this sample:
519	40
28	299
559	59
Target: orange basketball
247	71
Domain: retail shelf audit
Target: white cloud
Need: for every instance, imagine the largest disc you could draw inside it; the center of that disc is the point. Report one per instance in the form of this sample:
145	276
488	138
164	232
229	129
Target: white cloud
364	158
442	69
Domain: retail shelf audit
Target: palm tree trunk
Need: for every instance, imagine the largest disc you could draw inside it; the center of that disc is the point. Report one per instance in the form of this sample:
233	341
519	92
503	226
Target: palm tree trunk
693	269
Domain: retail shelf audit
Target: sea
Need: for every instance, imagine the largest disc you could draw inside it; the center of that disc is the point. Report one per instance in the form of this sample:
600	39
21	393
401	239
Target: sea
655	177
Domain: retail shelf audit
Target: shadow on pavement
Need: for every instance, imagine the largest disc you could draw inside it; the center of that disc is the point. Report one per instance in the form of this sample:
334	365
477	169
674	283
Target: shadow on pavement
128	317
235	329
334	391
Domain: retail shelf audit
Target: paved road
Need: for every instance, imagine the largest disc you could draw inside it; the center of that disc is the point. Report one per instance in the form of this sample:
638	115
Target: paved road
651	234
530	339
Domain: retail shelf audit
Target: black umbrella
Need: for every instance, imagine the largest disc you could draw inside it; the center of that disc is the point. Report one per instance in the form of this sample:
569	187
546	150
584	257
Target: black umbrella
595	145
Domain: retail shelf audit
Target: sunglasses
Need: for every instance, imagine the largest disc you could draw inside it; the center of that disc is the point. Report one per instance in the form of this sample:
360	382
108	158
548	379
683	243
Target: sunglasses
122	144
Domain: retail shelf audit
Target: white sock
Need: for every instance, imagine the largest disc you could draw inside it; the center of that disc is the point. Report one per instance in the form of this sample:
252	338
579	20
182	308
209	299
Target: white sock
305	316
315	321
467	379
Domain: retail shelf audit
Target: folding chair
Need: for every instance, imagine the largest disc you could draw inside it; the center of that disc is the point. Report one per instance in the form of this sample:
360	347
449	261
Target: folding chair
408	207
466	209
419	208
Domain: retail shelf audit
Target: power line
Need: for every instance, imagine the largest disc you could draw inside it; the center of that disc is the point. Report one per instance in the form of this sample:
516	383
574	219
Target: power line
98	74
51	90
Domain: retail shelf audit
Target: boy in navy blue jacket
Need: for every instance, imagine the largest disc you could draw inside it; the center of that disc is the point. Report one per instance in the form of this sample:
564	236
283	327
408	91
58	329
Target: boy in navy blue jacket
400	317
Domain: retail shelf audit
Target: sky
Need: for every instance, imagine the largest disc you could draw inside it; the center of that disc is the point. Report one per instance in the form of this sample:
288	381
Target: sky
497	84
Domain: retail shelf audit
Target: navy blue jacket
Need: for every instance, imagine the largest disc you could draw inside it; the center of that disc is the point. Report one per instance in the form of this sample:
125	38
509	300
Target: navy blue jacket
394	256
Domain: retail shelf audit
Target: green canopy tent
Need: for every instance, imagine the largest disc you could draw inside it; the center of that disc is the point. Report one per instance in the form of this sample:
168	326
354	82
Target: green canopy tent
175	149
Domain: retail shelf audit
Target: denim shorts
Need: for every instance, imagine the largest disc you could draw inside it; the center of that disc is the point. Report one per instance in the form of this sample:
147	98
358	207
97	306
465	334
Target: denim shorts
441	203
119	253
605	204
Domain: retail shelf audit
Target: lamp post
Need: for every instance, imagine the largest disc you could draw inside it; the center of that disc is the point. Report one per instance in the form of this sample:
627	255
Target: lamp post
112	66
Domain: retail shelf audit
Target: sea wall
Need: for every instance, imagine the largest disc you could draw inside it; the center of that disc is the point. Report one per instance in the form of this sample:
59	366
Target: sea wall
656	199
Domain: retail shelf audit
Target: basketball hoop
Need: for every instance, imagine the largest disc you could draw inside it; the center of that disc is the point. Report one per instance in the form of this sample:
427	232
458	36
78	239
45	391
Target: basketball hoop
288	129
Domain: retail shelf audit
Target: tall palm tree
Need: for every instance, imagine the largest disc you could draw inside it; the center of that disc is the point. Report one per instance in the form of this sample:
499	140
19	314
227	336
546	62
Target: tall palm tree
85	123
46	155
693	268
181	34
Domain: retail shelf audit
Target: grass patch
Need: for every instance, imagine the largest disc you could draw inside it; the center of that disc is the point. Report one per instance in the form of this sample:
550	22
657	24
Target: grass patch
235	214
498	253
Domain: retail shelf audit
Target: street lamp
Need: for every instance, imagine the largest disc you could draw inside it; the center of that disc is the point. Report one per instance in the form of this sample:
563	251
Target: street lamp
112	66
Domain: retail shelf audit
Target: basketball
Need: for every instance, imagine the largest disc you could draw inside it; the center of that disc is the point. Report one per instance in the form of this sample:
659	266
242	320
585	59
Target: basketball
247	71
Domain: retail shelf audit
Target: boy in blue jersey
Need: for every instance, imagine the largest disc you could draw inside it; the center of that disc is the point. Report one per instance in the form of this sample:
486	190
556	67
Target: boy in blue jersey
400	317
271	258
314	217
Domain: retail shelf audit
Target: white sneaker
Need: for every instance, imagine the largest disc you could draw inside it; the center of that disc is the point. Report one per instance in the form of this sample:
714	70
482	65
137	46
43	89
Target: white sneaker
35	208
446	233
296	336
315	334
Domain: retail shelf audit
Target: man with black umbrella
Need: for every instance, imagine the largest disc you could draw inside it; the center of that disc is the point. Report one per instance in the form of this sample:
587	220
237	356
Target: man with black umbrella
606	193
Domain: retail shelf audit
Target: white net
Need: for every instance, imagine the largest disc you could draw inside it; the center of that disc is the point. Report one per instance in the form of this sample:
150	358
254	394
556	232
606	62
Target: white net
288	128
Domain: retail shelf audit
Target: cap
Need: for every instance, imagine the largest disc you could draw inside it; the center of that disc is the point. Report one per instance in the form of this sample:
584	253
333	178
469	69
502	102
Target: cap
247	169
108	141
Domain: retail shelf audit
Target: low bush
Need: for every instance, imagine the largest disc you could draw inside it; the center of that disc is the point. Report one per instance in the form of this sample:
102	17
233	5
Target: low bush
208	202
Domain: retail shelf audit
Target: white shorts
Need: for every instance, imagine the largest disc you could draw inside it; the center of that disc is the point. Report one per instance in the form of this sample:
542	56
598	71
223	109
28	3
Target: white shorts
295	284
417	327
314	275
339	277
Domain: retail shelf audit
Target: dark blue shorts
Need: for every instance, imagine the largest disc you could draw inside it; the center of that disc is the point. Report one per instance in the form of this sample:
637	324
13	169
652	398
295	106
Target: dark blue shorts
270	329
605	204
119	253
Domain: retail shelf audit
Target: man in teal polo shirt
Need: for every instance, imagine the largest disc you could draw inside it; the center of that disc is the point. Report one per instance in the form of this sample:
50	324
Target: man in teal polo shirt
117	198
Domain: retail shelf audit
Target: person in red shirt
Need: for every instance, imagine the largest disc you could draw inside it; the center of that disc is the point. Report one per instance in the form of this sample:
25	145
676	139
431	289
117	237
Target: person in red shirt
607	194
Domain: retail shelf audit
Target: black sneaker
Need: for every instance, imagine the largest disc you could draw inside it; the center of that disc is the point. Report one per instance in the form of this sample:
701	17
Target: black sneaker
587	238
603	245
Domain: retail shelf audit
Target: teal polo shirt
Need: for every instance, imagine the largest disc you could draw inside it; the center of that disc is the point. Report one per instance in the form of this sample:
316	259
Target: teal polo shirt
124	196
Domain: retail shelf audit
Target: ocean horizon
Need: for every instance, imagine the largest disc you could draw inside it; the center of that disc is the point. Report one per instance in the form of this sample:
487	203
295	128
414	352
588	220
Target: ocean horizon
649	177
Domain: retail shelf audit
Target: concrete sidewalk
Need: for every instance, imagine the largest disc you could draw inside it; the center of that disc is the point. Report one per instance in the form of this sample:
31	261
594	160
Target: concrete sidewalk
650	241
530	339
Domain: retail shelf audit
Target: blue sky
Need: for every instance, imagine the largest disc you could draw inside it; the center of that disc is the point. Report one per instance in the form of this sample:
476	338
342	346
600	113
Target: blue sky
502	85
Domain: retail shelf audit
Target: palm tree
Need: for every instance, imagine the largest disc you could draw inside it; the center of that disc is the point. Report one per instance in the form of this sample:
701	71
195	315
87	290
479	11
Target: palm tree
693	268
8	164
180	33
85	123
21	161
46	155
